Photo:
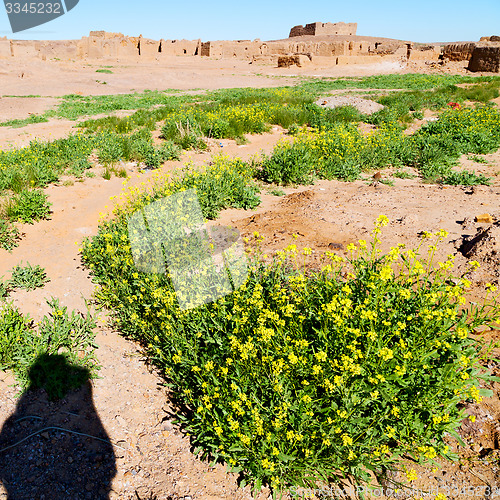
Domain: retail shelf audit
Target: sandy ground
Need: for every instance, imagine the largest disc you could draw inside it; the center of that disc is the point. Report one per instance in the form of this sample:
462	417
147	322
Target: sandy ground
128	403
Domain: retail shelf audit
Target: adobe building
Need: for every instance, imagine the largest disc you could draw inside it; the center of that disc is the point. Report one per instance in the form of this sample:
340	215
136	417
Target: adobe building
318	29
321	43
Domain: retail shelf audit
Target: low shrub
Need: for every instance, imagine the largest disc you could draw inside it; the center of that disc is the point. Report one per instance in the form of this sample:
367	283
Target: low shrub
9	235
465	178
306	377
29	206
28	277
288	164
61	338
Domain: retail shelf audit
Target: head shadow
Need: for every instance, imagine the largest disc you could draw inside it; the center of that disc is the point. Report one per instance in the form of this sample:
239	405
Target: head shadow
54	444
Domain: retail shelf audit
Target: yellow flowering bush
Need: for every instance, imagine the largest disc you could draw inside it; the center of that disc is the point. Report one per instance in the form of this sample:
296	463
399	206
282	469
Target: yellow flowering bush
298	377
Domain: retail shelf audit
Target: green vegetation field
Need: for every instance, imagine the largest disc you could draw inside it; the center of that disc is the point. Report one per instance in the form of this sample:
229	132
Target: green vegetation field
302	376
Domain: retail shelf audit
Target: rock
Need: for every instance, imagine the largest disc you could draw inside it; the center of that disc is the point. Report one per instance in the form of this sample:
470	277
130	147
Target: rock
484	219
121	421
335	246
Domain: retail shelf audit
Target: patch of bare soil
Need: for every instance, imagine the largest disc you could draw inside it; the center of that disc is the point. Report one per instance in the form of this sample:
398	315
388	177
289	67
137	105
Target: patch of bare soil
365	106
12	108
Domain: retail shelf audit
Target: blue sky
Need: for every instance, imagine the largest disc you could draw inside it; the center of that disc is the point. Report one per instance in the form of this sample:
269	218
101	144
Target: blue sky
420	20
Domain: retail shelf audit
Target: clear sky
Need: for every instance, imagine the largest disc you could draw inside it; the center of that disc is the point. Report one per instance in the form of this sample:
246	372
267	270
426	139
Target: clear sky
417	20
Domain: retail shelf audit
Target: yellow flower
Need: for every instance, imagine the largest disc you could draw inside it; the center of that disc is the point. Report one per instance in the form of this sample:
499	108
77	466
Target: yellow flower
346	439
411	475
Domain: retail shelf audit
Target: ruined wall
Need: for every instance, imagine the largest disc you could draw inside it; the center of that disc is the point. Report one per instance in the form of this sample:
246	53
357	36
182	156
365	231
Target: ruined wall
101	46
5	48
494	38
460	51
25	49
317	29
240	49
180	47
430	53
149	49
58	49
486	57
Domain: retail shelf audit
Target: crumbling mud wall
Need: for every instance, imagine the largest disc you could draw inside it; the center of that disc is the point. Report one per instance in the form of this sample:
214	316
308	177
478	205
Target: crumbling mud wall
486	57
318	29
239	49
324	43
459	51
425	53
180	47
5	48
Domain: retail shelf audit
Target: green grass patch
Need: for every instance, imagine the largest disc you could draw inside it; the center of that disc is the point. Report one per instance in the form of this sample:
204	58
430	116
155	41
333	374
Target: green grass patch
28	277
24	121
57	355
28	206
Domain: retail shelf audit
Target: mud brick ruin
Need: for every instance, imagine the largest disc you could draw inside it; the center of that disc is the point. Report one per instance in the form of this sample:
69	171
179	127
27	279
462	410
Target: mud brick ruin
321	44
317	29
481	56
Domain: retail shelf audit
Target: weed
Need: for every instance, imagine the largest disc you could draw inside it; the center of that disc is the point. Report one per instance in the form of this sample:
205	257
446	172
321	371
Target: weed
465	178
28	206
25	121
28	277
301	374
477	159
403	174
39	356
9	235
277	192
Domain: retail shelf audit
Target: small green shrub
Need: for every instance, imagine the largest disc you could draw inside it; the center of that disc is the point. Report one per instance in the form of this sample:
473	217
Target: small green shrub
288	164
153	157
277	192
108	71
29	206
13	328
9	235
187	134
478	159
28	277
111	149
403	174
465	178
4	289
40	356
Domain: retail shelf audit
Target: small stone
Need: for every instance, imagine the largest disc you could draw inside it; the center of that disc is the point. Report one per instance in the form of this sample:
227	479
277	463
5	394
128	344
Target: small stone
484	219
121	421
45	435
167	426
335	246
70	460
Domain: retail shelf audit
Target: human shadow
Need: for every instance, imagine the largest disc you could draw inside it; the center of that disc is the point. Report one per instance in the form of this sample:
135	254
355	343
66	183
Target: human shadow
54	447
